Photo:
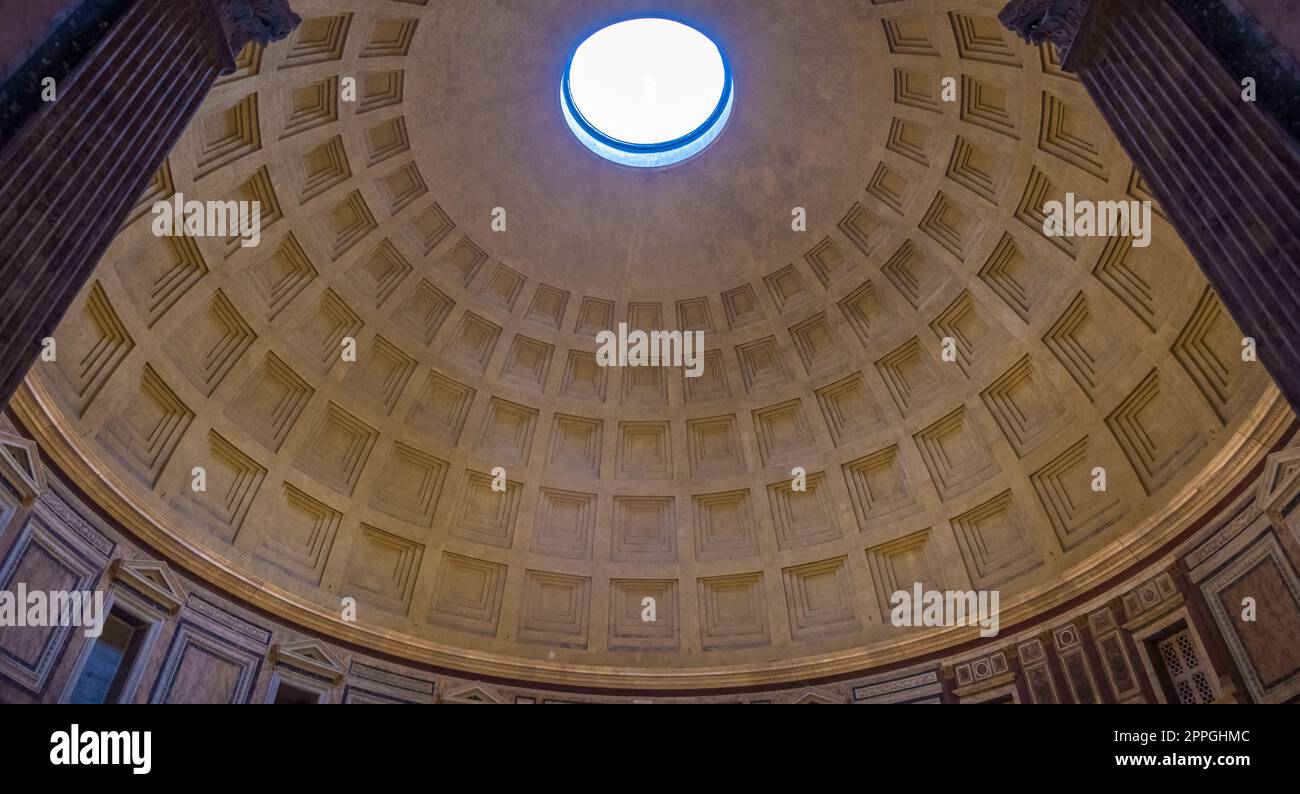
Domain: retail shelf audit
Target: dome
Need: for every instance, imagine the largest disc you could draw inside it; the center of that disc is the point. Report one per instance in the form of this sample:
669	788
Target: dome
394	399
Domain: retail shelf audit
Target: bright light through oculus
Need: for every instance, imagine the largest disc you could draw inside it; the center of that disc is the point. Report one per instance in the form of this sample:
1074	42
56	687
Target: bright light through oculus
647	92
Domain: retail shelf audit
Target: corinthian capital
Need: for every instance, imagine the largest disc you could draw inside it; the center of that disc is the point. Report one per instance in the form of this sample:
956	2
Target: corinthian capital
1038	21
263	21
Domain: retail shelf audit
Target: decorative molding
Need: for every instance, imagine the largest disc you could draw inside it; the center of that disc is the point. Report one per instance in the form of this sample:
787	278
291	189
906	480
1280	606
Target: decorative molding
920	684
199	652
1074	662
1115	662
976	677
1266	570
63	562
310	657
1149	600
226	620
1038	674
474	693
152	579
1279	485
1231	523
20	465
380	676
59	508
814	695
369	684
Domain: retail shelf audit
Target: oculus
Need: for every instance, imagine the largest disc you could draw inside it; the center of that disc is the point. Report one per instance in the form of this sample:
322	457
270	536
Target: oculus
648	92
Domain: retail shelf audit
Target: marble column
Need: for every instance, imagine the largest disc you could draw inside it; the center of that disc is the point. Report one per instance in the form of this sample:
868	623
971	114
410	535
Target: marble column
71	170
1167	76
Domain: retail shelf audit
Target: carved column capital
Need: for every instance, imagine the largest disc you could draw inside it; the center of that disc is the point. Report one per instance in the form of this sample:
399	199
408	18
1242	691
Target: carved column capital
262	21
1039	21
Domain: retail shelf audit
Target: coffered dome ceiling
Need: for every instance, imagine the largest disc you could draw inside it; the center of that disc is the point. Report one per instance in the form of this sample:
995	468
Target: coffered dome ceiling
371	479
